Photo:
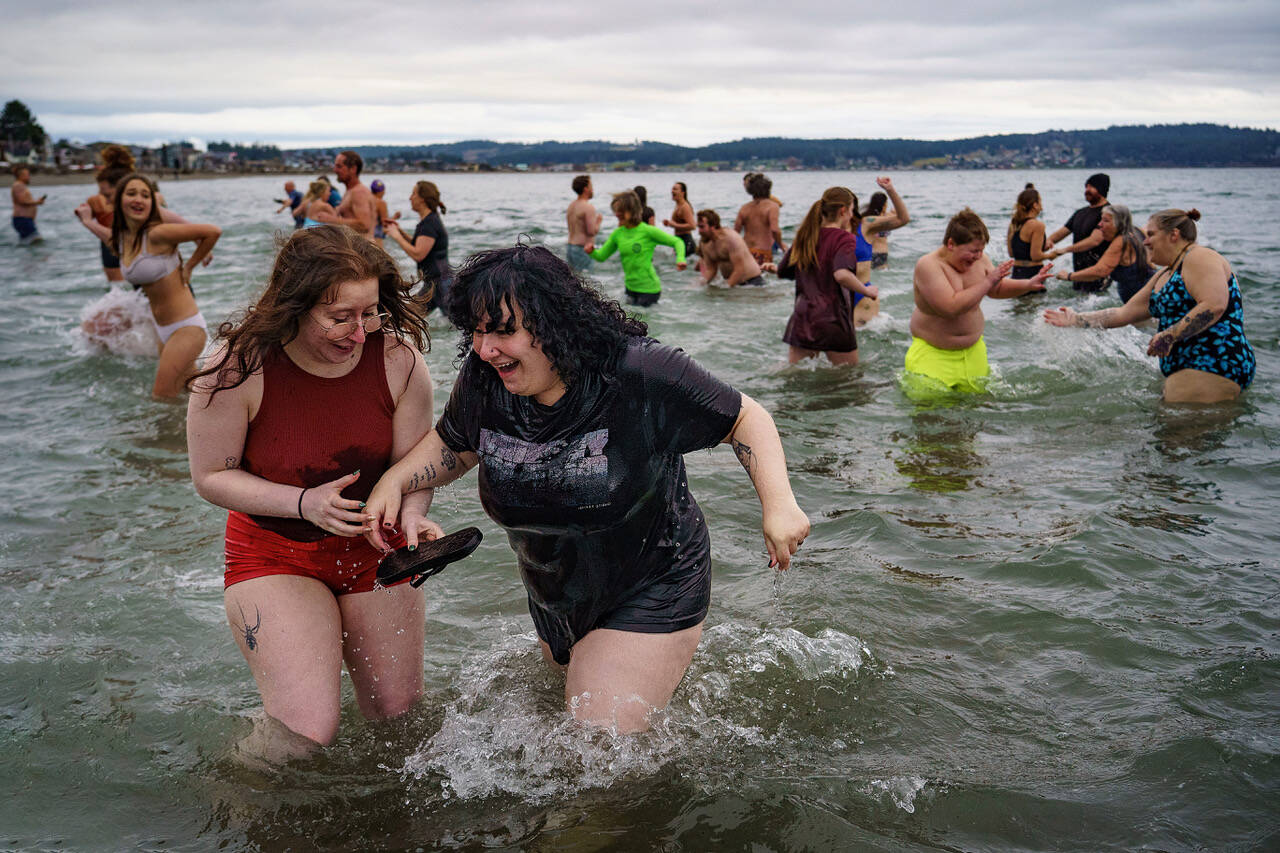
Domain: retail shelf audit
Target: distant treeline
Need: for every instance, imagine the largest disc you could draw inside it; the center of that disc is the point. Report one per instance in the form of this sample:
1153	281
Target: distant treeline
256	151
1131	145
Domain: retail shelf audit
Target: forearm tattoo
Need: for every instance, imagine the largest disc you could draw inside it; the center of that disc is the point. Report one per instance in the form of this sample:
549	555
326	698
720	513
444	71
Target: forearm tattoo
448	459
1197	323
1095	319
250	634
745	456
421	479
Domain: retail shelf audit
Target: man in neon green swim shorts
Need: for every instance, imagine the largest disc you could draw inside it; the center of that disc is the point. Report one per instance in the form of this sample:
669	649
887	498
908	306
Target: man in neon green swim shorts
947	324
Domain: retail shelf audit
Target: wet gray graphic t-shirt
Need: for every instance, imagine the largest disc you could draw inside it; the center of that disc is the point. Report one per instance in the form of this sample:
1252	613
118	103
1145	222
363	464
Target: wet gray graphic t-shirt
592	491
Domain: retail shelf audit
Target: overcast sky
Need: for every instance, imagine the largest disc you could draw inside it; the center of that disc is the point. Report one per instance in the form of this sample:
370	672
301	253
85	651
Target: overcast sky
316	72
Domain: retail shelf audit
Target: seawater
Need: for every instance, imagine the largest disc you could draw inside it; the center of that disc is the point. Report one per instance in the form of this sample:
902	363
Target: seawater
1045	618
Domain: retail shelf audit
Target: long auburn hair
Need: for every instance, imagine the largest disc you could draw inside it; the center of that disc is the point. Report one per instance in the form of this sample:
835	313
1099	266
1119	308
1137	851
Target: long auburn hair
309	267
118	224
804	251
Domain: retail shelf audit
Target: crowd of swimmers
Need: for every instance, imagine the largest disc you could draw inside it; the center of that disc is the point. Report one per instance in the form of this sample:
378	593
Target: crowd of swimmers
576	419
1200	339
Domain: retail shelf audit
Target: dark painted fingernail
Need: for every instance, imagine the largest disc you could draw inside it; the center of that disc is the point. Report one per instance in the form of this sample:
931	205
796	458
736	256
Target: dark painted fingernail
362	504
413	547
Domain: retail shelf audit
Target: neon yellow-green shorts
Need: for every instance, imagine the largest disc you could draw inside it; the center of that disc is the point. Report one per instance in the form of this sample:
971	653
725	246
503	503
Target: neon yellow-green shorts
958	369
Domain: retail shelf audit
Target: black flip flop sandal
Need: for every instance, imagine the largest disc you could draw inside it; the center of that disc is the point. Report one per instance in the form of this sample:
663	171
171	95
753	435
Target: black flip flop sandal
430	558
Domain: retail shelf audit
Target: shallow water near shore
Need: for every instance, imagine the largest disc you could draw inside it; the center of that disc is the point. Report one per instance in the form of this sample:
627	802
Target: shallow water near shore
1045	618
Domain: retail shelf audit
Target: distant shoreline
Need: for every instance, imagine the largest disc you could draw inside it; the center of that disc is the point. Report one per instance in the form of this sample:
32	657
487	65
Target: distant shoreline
87	177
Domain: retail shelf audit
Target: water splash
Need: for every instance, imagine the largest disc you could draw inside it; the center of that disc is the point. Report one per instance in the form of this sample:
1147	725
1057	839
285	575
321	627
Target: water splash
119	322
508	732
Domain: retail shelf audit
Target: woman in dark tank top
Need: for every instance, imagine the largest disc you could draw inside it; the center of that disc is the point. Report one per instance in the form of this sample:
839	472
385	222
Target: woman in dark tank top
1028	245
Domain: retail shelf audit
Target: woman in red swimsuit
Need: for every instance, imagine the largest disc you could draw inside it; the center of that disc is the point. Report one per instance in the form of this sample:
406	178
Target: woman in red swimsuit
317	391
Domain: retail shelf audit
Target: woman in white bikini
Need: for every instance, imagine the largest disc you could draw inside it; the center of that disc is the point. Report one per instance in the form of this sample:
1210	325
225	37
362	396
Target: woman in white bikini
148	251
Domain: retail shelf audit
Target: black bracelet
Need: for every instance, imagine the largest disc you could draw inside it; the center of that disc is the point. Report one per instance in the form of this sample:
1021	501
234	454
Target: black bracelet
300	494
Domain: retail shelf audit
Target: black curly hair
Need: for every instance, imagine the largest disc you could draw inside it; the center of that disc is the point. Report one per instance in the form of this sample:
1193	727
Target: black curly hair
579	329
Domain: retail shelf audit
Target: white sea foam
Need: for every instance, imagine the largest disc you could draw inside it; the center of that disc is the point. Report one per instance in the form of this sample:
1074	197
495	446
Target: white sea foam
509	732
902	791
119	322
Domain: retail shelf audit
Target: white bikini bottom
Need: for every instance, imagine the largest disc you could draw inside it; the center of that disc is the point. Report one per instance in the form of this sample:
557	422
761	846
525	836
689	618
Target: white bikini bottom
166	332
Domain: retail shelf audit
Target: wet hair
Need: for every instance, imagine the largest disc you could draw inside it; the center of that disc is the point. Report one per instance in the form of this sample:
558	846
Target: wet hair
628	205
875	204
1027	199
684	189
966	227
1123	219
713	218
579	329
117	161
1182	221
641	193
804	250
759	186
430	194
351	158
309	266
580	183
118	225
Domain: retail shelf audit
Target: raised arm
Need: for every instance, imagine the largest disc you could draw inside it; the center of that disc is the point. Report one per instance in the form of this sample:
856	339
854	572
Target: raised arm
166	236
754	439
1109	261
892	221
85	214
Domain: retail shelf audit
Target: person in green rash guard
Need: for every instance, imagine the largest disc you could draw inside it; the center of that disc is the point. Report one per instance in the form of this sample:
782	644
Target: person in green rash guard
636	241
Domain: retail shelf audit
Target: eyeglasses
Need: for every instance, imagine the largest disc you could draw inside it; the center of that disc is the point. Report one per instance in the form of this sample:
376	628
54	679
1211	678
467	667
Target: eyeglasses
347	328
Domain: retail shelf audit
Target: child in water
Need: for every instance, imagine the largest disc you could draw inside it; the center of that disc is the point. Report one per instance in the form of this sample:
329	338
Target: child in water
637	240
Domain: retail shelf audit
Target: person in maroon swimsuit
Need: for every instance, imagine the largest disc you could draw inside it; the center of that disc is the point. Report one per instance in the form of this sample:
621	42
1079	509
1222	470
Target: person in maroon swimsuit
307	400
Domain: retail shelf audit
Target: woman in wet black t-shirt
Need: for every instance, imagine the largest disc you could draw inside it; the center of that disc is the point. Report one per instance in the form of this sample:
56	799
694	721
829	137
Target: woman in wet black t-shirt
578	423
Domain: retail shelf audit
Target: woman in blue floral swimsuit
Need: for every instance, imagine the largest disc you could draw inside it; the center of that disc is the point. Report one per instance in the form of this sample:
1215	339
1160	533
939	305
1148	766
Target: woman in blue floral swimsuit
1195	298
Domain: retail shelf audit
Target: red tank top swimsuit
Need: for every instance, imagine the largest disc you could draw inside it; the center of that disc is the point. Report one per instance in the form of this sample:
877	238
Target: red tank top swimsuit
308	431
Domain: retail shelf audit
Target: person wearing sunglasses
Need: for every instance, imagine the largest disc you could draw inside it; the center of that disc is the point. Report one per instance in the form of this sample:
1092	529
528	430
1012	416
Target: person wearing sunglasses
315	392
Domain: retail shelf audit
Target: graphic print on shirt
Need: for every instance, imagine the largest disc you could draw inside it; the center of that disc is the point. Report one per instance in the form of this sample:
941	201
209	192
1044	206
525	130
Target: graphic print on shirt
572	472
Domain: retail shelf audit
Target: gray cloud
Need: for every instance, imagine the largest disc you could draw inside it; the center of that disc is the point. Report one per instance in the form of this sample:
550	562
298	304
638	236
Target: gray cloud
324	71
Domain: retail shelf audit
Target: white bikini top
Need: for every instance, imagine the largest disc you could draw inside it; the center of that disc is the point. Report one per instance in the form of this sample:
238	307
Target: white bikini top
148	268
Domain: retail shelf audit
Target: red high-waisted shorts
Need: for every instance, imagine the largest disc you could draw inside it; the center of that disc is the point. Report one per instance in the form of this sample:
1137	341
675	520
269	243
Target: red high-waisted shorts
344	564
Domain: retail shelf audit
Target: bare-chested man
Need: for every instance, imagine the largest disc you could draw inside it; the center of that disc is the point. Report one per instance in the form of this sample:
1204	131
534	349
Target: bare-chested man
947	324
584	225
682	221
724	253
25	206
757	220
359	209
